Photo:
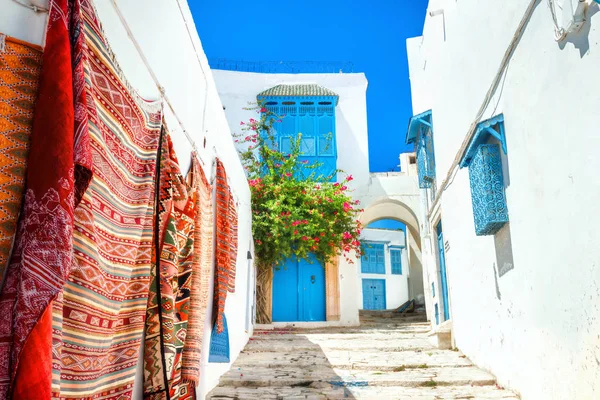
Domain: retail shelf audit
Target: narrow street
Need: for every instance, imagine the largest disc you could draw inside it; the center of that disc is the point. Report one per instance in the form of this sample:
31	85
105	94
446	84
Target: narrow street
384	358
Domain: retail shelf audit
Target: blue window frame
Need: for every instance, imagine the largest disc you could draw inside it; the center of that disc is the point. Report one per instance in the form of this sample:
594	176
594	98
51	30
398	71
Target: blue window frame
309	110
420	132
484	161
396	260
219	344
372	260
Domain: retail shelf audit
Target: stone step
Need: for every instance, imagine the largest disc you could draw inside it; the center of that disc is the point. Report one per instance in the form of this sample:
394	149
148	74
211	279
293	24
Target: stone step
298	343
367	393
421	328
328	337
347	359
395	319
253	376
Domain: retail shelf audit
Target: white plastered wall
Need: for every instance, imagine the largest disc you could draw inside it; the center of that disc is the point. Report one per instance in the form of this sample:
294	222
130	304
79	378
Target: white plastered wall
161	31
531	318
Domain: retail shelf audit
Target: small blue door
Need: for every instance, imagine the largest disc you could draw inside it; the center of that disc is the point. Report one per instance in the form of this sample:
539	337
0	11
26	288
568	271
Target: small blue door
443	278
373	294
299	291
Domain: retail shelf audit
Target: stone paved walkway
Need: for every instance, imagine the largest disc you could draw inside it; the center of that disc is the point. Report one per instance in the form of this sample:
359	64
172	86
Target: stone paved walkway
384	358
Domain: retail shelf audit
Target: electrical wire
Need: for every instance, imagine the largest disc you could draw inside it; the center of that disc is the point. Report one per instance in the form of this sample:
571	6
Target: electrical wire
161	89
559	33
35	8
453	170
199	63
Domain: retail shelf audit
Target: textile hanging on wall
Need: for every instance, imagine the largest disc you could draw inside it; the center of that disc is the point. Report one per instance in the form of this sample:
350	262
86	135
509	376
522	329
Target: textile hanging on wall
171	282
202	268
86	119
233	244
59	168
20	65
226	250
105	297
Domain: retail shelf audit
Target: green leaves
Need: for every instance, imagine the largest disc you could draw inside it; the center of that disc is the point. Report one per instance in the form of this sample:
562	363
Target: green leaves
292	215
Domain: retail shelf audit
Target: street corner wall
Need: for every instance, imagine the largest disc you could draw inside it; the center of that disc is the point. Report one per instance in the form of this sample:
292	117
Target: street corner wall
238	89
525	302
349	291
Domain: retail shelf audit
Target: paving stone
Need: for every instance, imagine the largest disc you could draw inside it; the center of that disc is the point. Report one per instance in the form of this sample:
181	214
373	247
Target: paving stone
365	360
385	358
305	375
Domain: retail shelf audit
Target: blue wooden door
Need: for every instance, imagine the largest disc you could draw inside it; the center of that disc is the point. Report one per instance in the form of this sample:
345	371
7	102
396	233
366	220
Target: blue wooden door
373	294
443	278
312	290
285	292
299	291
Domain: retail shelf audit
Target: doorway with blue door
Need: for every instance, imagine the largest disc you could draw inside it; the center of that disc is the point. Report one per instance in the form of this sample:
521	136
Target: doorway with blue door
442	272
299	291
373	294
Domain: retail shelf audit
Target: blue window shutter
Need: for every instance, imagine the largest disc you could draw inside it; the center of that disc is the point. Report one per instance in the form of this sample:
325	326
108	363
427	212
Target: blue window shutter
219	344
380	266
425	157
487	190
372	261
314	117
396	258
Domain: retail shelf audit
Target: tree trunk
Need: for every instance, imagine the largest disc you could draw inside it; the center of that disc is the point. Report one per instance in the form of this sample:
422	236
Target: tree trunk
264	290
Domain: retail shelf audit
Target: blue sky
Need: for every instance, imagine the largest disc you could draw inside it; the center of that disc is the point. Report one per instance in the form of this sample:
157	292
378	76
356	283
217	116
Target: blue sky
370	34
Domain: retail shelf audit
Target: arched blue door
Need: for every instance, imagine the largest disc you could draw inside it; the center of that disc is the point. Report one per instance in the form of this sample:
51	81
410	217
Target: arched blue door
299	291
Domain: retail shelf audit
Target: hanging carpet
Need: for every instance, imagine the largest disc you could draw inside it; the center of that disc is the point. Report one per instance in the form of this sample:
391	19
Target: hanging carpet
169	300
20	65
202	268
226	245
84	241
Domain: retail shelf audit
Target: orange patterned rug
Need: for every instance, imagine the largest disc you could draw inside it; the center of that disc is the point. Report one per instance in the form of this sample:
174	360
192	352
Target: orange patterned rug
20	65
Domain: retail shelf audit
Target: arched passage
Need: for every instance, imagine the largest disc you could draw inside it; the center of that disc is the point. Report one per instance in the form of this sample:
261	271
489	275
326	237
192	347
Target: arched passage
395	209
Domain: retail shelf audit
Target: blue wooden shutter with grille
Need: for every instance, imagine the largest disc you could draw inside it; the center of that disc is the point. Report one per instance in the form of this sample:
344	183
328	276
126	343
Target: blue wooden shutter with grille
219	344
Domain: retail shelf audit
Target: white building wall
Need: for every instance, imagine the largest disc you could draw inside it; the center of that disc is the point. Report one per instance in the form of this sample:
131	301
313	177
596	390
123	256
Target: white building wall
396	286
525	303
394	195
161	32
239	89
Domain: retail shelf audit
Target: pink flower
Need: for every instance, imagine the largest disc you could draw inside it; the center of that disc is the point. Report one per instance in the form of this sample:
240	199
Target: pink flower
295	223
252	120
288	174
305	222
277	165
347	207
344	187
349	178
347	235
253	128
357	202
304	237
317	239
295	232
336	184
241	122
263	110
247	138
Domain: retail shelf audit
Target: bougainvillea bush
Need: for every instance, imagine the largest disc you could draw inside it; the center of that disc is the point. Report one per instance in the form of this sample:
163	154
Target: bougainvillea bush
295	210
